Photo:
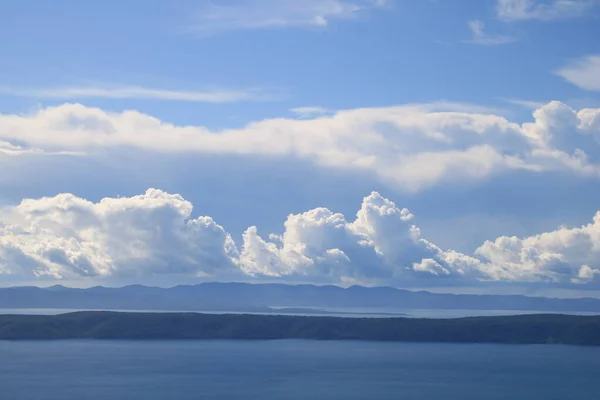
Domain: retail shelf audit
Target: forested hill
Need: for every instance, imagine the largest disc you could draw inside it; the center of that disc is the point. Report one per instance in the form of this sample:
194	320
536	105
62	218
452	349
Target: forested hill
564	329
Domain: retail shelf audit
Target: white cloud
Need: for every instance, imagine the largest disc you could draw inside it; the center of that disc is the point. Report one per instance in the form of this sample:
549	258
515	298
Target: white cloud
214	18
483	38
310	112
583	72
410	147
543	10
585	274
140	93
66	237
70	238
531	104
381	245
567	254
431	266
9	149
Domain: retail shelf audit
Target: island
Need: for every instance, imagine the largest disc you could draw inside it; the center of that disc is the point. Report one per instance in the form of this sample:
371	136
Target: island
518	329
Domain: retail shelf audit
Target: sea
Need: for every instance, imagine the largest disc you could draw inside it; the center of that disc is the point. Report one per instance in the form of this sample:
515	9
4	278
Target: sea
295	370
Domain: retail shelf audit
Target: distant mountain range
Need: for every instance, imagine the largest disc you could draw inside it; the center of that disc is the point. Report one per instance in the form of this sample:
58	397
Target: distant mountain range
244	297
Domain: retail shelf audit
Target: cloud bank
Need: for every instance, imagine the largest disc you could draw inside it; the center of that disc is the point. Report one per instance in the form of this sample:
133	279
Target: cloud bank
410	147
154	234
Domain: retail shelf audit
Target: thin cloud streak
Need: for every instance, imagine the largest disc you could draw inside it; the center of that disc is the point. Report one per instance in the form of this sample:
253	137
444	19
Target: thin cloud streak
532	105
141	93
213	19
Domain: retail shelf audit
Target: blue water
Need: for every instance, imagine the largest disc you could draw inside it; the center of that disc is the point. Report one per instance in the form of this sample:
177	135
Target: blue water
294	369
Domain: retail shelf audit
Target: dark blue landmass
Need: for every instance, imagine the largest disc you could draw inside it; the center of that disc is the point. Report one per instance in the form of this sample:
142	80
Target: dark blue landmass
521	329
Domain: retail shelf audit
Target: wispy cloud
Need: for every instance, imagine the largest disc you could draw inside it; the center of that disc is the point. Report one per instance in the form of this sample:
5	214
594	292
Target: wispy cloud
480	37
523	10
141	93
9	149
264	14
532	105
583	72
310	112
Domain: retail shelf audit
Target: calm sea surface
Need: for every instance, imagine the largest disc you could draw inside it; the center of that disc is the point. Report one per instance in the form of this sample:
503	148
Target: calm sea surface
294	369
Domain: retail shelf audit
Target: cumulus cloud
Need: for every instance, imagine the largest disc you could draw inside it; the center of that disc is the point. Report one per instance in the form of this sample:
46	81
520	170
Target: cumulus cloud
154	234
583	72
212	18
69	237
585	274
543	10
381	244
410	147
558	256
66	237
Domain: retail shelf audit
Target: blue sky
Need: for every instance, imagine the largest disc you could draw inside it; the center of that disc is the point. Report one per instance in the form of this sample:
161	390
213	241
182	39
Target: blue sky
401	52
253	110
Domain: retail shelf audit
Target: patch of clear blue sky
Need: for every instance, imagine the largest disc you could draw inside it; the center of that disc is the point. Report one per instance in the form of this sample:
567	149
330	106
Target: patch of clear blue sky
412	51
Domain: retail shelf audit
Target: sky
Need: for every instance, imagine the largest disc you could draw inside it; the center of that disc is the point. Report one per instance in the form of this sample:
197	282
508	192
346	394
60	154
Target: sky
439	145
